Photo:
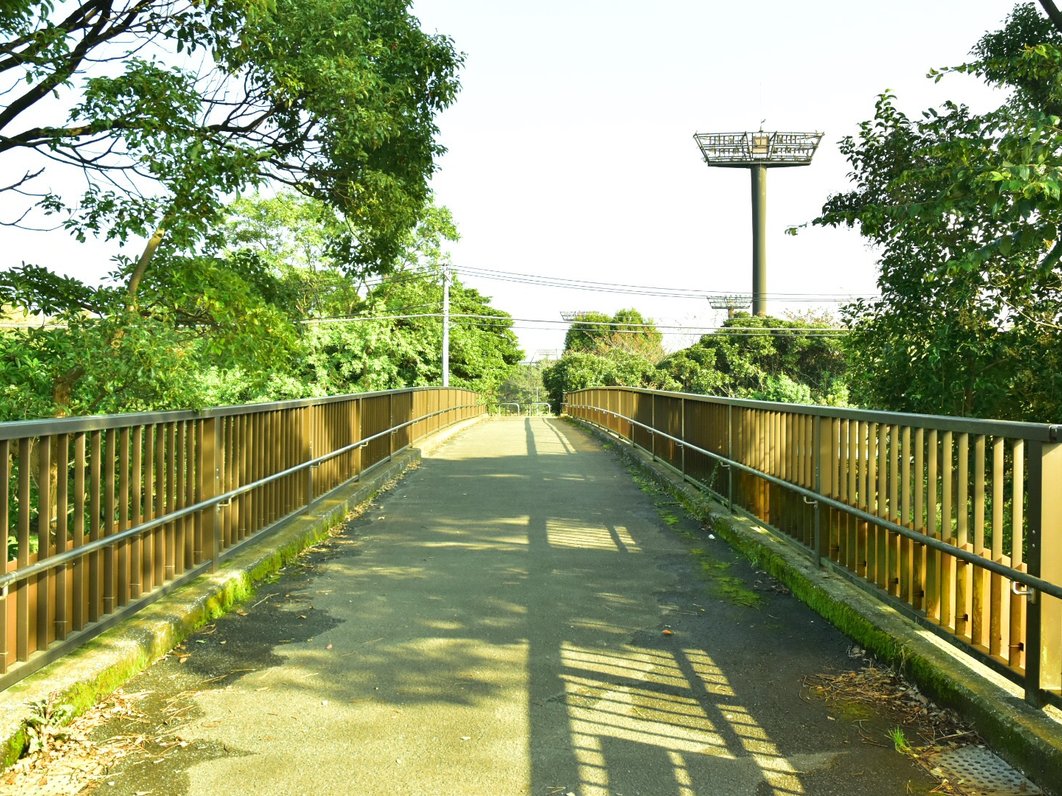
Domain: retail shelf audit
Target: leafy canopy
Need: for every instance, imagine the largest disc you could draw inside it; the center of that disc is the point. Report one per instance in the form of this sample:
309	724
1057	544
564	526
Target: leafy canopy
164	108
965	209
772	359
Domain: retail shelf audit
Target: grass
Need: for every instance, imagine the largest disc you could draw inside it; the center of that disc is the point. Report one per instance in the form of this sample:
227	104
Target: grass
899	741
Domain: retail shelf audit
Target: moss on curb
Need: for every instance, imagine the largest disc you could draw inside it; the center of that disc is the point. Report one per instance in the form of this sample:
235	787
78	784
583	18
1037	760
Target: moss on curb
1022	735
103	664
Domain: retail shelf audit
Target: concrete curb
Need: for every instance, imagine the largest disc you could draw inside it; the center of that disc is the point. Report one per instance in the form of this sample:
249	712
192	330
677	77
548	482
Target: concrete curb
1027	738
69	686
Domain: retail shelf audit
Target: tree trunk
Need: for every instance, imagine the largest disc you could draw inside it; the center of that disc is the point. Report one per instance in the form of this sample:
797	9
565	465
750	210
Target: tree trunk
142	264
64	384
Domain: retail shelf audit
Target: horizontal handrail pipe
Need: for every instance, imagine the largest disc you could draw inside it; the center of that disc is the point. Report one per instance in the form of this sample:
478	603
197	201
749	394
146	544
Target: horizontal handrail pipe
106	513
955	521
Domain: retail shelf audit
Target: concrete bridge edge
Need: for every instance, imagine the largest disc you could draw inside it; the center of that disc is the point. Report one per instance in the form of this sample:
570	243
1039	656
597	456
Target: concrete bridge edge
1027	738
67	687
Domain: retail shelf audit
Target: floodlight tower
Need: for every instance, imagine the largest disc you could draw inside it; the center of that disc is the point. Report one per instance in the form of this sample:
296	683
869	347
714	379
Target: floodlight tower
758	152
731	304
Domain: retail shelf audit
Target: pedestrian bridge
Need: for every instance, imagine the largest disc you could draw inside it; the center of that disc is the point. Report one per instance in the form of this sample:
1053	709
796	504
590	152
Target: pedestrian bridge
519	616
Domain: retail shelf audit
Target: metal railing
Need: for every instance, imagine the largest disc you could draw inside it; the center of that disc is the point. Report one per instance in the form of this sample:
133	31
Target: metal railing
957	522
532	409
104	514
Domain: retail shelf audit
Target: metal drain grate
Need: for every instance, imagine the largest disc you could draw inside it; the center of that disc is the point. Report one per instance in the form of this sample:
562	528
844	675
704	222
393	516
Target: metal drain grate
978	772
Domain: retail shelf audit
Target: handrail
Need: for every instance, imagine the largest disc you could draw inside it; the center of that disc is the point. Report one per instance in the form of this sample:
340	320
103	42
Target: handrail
984	567
18	575
1033	582
1034	432
16	429
79	483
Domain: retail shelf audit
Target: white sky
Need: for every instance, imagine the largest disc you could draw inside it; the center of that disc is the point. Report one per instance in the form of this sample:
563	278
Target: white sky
571	152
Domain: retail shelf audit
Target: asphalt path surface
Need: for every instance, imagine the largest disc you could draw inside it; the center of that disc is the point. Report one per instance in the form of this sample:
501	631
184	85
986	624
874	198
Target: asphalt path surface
518	616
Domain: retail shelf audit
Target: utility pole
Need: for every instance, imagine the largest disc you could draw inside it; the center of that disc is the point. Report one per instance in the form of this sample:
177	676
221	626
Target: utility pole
446	327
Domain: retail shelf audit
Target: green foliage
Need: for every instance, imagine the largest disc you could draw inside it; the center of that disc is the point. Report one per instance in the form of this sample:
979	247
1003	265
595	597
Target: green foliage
794	363
245	325
627	331
601	350
577	370
379	349
525	386
965	209
336	98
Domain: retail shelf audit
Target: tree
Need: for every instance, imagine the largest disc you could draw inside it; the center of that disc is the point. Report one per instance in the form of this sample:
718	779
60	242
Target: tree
396	341
377	334
165	107
797	361
525	386
599	349
966	210
244	324
197	315
627	330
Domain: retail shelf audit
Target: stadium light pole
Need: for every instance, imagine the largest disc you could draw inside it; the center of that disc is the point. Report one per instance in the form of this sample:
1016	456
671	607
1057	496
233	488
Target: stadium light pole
758	152
738	301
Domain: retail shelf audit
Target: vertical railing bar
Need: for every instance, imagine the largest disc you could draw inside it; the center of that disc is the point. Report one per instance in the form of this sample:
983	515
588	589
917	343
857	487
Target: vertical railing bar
96	519
978	627
79	618
1018	607
907	587
932	601
947	562
22	605
870	503
917	552
963	601
122	595
5	526
885	539
995	634
1033	629
150	486
136	488
197	492
900	569
110	574
44	540
730	456
161	489
62	532
187	549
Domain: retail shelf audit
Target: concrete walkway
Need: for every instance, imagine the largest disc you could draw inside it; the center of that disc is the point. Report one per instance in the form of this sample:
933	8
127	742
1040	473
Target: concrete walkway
516	617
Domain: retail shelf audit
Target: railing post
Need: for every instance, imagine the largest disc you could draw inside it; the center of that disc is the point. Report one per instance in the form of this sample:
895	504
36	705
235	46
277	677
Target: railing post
822	451
1043	634
730	457
652	425
390	425
307	448
209	483
682	434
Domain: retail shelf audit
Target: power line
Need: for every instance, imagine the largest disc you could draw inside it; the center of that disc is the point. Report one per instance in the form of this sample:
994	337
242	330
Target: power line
608	327
591	286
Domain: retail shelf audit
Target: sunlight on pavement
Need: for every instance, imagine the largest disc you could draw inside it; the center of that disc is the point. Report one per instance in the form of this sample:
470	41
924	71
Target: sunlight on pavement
662	699
584	537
